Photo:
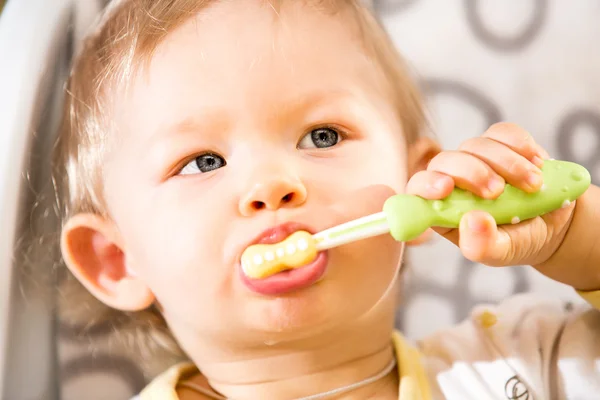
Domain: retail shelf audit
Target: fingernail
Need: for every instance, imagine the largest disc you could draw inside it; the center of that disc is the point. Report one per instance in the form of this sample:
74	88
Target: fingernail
534	179
496	185
544	154
439	185
537	161
477	225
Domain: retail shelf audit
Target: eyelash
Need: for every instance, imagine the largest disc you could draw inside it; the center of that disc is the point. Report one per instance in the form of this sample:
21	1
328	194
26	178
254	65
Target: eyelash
339	131
343	134
195	158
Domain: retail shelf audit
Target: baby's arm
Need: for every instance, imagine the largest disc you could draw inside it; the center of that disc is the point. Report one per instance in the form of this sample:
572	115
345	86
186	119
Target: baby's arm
577	260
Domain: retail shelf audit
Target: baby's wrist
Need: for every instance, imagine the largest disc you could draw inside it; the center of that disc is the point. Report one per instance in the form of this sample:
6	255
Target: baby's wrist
576	261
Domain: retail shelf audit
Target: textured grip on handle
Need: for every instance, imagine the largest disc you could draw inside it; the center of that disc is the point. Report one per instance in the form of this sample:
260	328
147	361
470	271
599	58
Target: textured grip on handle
409	216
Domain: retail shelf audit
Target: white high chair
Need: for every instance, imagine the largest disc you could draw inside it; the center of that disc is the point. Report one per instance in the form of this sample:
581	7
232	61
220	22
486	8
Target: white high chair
496	62
36	45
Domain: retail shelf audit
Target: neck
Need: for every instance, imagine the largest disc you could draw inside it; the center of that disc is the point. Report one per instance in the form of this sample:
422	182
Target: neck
334	359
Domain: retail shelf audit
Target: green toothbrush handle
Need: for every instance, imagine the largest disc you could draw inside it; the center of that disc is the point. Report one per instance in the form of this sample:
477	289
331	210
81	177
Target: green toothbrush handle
409	216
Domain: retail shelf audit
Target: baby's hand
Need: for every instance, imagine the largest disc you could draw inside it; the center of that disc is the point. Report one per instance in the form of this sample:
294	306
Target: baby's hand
505	153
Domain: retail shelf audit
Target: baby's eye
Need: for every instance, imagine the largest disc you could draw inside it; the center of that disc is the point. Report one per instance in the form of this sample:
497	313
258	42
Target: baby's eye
204	163
320	138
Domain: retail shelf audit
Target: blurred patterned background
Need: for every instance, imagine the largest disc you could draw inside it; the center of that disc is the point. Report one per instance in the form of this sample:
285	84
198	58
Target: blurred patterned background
533	62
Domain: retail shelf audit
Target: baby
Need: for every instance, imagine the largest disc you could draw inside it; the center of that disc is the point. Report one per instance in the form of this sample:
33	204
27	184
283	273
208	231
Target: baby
195	128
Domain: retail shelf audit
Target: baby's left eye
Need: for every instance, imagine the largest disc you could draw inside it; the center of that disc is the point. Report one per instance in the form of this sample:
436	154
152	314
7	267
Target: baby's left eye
320	138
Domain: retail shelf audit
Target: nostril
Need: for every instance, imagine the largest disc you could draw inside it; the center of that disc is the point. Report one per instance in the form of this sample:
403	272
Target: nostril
270	204
287	198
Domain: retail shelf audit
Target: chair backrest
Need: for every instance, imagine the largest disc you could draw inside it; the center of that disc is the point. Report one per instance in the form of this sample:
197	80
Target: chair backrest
36	46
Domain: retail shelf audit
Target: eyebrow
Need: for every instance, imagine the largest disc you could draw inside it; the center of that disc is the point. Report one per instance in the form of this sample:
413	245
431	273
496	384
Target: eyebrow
213	120
205	121
311	101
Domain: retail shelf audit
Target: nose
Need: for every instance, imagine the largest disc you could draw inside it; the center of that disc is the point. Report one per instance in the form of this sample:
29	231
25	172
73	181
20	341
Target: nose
272	194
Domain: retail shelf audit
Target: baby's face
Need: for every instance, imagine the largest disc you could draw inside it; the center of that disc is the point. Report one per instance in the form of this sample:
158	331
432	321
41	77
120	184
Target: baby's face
245	121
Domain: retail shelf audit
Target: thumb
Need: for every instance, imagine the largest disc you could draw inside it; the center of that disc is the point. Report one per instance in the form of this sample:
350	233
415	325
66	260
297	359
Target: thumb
480	240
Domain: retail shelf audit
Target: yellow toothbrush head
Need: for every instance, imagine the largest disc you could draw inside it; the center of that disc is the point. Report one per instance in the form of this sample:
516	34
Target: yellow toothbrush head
260	261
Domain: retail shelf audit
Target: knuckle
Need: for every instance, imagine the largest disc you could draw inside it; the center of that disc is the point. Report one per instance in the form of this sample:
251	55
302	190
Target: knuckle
526	143
504	128
510	133
436	162
526	147
481	175
494	130
517	168
417	182
472	145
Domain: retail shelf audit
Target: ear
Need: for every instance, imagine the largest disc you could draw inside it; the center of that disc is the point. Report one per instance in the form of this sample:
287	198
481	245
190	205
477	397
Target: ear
92	250
420	153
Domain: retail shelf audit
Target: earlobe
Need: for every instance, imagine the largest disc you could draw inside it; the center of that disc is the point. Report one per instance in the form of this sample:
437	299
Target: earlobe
92	250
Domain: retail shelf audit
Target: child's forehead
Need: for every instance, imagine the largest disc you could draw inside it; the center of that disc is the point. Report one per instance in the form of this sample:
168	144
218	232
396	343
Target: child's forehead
218	64
256	27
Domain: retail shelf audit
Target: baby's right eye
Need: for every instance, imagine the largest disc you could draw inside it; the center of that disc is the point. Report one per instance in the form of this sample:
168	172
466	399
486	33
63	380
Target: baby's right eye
204	163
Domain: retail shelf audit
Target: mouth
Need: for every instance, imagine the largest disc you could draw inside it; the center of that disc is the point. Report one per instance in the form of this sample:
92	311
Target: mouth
289	280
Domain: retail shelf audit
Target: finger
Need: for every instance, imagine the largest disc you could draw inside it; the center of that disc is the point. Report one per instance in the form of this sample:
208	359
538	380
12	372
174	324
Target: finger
480	240
430	185
469	173
513	167
517	139
539	160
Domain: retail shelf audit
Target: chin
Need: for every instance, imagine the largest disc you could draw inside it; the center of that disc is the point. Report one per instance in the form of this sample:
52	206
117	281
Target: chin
351	289
306	310
310	312
286	323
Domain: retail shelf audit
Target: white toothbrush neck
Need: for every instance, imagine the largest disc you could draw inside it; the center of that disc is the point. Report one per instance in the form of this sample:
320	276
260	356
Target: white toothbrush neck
361	228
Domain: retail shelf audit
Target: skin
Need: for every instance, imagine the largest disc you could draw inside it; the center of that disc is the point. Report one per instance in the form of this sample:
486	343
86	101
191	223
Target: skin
508	153
249	85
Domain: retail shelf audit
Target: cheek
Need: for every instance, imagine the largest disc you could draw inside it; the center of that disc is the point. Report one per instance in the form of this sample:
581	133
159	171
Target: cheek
389	167
370	163
369	266
176	244
361	272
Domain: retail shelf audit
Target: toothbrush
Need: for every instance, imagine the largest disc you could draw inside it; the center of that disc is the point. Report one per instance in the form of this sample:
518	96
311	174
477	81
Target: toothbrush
405	217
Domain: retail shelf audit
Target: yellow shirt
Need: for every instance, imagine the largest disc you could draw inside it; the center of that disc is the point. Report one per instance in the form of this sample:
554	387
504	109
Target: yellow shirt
413	380
501	351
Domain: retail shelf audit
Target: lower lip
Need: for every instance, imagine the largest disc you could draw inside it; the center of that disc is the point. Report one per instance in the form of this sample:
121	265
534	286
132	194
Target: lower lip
290	280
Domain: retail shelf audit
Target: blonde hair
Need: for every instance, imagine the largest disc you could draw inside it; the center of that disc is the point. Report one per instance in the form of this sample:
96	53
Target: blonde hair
124	40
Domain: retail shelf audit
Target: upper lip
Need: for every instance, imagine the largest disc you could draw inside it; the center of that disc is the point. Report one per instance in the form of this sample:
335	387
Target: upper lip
278	233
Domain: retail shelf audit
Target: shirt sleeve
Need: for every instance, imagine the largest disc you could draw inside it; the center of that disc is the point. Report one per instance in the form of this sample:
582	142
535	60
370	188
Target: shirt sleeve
526	345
